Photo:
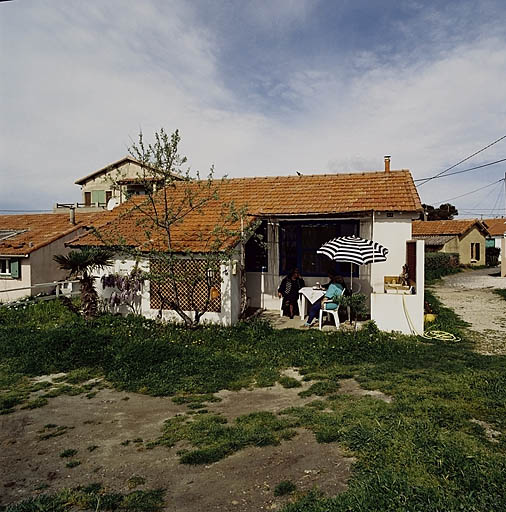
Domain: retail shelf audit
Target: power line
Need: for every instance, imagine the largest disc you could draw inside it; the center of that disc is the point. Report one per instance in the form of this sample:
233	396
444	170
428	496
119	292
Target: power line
463	160
469	193
464	170
499	196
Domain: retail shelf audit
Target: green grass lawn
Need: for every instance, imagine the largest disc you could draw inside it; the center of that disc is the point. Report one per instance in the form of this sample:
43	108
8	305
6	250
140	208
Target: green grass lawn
419	452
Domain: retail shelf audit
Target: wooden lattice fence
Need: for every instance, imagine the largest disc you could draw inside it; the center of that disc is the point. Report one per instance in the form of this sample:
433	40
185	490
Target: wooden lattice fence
194	281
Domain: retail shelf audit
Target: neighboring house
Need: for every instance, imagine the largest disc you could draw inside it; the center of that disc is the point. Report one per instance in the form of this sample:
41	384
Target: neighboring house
27	246
497	231
119	180
297	214
467	238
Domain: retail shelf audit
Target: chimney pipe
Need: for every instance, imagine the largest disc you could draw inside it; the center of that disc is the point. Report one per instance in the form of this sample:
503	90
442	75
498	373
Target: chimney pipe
387	163
72	216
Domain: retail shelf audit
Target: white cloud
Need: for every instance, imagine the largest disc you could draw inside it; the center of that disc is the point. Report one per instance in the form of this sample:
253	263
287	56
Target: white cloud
82	80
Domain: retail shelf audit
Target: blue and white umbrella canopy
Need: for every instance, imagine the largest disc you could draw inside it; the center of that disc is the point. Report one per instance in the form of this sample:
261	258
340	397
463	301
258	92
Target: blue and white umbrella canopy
353	249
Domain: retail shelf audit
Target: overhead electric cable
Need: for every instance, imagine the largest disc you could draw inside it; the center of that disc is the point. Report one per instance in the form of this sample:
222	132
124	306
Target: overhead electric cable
500	201
463	160
498	197
469	193
464	170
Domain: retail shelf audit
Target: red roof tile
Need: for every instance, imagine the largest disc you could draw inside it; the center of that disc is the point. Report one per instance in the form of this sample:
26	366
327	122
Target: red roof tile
277	196
37	230
444	227
496	227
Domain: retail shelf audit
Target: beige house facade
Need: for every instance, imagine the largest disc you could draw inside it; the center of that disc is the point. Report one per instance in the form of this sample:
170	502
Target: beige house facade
467	238
119	181
113	185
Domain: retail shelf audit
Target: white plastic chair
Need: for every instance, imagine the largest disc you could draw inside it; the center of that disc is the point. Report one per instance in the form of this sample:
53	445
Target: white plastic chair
333	312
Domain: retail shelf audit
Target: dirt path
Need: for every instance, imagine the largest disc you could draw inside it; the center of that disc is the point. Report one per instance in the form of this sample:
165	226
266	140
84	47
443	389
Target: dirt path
118	425
471	295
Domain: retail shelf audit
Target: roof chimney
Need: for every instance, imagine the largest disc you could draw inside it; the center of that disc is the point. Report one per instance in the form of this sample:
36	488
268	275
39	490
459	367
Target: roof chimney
387	163
72	216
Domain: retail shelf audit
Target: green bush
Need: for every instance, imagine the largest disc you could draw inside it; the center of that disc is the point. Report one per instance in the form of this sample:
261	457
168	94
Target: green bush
492	256
284	487
439	264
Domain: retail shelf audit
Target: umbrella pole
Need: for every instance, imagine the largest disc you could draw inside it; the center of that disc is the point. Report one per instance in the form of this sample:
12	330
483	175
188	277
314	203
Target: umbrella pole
351	291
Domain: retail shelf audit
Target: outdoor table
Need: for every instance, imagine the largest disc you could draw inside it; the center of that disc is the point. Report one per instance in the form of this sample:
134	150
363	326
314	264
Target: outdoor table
312	295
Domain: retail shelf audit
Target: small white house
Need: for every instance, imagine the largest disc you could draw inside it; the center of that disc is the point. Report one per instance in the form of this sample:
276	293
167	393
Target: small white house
27	246
294	215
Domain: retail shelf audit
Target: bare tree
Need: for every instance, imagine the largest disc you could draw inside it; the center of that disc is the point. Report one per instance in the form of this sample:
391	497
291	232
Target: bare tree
169	226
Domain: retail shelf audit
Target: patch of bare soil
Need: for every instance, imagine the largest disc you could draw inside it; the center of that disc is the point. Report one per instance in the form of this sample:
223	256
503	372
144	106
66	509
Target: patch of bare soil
109	432
352	387
484	310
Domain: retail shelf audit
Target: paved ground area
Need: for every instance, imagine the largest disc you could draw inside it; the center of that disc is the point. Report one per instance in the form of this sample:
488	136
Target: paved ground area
285	322
470	294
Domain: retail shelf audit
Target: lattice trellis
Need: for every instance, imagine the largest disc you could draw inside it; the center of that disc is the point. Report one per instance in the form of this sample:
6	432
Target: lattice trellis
193	280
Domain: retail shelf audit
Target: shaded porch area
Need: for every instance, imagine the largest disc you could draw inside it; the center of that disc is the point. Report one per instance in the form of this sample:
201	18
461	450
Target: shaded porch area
293	243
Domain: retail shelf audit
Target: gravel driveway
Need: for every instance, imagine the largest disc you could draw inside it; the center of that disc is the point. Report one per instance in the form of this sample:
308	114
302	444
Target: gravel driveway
471	295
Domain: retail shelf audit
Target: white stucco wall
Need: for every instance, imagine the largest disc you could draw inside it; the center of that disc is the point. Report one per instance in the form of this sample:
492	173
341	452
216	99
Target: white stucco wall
402	313
230	293
503	257
393	233
7	283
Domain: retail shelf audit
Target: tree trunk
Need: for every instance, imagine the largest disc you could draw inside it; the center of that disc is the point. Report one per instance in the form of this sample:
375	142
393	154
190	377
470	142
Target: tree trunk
89	297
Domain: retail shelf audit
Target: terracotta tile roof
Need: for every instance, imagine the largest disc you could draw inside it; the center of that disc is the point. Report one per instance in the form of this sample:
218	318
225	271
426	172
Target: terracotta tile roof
31	232
444	227
496	227
280	196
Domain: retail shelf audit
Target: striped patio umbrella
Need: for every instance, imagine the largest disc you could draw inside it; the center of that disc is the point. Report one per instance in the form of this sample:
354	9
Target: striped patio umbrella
353	249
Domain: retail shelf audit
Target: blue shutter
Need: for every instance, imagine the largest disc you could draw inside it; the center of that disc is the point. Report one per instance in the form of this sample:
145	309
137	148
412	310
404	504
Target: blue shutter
15	269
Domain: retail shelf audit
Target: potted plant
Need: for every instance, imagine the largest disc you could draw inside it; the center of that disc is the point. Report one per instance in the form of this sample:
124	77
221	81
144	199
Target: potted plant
355	304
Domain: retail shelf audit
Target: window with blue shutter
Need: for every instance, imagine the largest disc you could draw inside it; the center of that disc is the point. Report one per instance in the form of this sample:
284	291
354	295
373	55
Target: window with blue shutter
15	269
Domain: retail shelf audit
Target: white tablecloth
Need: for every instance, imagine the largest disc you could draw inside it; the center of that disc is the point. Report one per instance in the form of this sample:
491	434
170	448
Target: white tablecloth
310	294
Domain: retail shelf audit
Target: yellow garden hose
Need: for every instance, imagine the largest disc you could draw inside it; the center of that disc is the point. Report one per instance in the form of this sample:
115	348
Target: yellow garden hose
431	334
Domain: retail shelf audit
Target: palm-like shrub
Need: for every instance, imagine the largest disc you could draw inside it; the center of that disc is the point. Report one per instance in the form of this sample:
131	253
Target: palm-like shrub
80	265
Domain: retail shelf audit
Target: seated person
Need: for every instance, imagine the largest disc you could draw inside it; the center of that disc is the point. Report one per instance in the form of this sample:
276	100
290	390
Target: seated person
335	289
289	291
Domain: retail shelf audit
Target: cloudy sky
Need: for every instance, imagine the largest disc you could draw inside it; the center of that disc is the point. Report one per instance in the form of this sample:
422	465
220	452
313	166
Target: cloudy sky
259	87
